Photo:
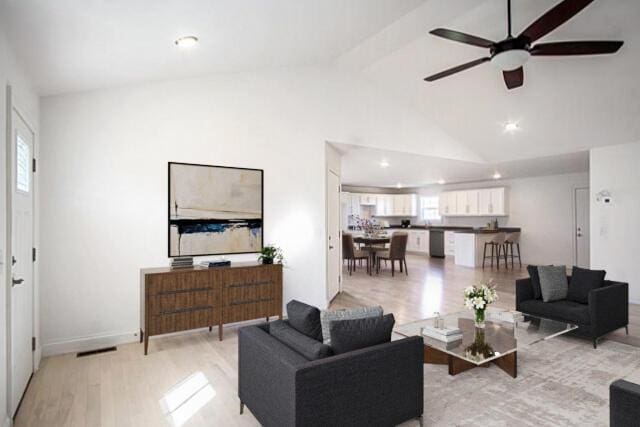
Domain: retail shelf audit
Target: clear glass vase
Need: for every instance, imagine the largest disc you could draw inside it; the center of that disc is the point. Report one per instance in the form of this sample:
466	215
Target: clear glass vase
480	318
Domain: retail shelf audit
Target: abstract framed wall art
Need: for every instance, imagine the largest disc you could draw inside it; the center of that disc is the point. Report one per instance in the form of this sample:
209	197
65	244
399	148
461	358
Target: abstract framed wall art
214	210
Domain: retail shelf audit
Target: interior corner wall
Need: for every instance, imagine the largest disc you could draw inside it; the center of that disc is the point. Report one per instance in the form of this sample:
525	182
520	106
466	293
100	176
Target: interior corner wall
615	227
10	74
103	171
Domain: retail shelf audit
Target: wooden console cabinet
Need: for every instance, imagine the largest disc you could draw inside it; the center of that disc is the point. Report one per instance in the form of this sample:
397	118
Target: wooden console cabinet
173	300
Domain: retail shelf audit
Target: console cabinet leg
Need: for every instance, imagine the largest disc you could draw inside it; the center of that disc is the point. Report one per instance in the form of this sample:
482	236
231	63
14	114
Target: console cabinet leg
220	332
146	344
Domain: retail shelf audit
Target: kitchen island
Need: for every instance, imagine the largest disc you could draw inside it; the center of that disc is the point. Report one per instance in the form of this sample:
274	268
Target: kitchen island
469	244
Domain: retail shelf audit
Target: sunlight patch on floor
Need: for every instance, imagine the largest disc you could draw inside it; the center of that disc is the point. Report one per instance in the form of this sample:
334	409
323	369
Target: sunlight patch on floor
186	398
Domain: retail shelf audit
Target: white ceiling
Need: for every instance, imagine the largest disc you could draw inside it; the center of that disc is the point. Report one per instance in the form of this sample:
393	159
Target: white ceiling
72	45
566	104
361	167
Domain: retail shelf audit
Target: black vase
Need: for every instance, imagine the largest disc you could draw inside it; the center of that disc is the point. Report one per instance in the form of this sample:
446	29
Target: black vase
267	260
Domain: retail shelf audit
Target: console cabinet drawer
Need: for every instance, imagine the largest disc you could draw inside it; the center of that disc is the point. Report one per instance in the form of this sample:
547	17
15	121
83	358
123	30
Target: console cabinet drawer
171	301
193	318
179	281
240	310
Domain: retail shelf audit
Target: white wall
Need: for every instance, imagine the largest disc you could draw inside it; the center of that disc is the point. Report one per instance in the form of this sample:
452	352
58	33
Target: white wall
10	74
541	206
104	195
615	229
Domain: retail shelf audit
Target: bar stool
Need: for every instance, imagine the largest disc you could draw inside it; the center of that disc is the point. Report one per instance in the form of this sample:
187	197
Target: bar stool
497	244
510	240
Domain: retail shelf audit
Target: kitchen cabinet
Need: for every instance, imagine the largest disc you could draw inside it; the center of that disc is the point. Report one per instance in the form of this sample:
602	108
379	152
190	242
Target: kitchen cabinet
384	205
418	241
492	201
477	202
405	205
449	243
368	199
448	203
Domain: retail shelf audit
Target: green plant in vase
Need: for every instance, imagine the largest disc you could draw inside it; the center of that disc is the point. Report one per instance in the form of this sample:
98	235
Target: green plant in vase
271	253
478	298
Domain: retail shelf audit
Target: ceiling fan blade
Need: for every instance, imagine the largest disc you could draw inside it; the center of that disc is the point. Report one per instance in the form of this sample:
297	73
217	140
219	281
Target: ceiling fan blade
576	48
555	17
457	69
514	78
457	36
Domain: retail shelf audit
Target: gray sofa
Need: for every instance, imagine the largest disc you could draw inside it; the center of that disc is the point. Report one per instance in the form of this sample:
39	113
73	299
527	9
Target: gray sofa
380	385
624	404
606	311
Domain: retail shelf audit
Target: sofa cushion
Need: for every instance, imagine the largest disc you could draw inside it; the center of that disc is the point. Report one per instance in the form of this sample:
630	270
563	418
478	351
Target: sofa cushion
305	319
553	282
349	335
297	341
584	281
535	281
326	317
568	311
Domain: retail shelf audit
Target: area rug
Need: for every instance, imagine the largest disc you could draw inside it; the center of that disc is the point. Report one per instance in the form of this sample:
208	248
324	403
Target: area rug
561	382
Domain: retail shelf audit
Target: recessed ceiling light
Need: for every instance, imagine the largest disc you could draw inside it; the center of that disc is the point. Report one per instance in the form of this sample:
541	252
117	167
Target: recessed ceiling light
186	42
384	164
398	185
496	175
511	127
441	181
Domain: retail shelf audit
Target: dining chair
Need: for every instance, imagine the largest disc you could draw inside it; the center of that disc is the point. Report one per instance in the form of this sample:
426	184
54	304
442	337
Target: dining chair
397	252
351	254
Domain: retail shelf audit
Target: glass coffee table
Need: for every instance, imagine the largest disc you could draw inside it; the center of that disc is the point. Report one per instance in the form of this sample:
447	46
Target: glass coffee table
498	342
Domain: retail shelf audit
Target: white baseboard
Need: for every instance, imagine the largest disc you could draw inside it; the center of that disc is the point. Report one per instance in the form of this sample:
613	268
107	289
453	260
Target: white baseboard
88	343
631	301
7	422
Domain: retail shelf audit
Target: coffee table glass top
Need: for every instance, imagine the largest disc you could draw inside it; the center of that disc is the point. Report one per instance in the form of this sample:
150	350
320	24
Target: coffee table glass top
501	334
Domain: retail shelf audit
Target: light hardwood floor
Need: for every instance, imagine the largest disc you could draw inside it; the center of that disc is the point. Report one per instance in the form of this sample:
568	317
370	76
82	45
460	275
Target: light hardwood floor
125	388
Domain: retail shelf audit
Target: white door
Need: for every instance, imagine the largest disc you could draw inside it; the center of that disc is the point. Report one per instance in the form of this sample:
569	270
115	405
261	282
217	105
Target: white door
333	235
21	251
582	227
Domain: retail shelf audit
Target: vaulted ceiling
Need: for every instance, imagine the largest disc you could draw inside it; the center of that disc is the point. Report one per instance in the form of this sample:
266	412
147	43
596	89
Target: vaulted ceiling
567	105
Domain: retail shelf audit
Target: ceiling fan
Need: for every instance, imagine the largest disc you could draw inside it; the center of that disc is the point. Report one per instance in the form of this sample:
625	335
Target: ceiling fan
510	54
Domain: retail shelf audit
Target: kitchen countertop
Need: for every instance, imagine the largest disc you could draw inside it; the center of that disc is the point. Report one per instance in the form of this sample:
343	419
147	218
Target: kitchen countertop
430	227
490	231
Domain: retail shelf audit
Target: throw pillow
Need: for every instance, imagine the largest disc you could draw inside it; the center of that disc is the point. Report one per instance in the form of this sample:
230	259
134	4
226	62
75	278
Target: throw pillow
349	335
305	319
584	281
535	281
326	317
553	282
306	346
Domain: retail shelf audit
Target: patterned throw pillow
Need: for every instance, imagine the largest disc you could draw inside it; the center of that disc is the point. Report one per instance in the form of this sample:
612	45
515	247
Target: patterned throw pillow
553	282
326	317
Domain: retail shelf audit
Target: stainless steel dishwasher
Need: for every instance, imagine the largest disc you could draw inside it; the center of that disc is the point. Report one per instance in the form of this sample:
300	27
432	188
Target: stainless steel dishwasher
436	243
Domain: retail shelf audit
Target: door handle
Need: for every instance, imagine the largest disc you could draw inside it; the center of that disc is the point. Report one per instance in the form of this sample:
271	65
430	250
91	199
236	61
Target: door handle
330	247
16	282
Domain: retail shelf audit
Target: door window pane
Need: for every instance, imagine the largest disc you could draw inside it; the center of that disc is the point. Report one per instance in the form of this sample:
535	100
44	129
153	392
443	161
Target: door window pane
23	160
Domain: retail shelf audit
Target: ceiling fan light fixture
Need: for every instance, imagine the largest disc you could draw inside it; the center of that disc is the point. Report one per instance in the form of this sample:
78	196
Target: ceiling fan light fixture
186	42
441	181
510	60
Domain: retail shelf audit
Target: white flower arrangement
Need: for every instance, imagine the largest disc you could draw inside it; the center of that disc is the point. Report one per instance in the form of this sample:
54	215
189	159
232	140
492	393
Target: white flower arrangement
480	296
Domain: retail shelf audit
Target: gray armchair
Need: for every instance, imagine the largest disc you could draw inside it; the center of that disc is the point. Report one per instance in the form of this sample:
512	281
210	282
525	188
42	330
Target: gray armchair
624	404
380	385
607	310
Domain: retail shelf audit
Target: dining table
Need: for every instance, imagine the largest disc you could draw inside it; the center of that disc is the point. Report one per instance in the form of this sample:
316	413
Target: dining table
370	245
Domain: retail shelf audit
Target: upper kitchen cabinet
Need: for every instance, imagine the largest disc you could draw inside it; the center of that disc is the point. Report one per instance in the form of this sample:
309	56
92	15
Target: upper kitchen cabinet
481	202
369	199
448	203
492	202
405	205
384	207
